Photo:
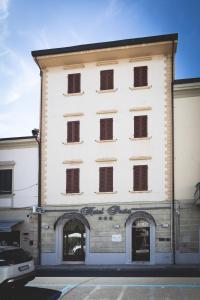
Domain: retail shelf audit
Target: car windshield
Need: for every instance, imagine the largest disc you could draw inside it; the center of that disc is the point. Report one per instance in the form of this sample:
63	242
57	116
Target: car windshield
15	256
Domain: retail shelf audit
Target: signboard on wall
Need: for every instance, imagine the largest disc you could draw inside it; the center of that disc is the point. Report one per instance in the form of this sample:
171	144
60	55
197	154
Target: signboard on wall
116	238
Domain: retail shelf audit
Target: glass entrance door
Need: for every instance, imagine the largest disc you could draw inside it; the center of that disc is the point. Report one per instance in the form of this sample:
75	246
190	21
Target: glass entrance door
140	241
74	241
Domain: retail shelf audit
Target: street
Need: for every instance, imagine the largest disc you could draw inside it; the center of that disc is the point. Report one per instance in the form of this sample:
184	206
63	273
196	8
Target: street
107	288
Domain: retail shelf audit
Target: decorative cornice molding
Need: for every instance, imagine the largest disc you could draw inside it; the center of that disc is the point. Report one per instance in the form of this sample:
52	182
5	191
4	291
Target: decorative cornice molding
74	66
106	63
73	161
140	158
140	108
140	58
75	114
109	111
106	159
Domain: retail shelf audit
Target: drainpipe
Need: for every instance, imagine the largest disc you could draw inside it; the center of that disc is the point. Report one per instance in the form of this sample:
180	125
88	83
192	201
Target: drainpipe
173	196
39	139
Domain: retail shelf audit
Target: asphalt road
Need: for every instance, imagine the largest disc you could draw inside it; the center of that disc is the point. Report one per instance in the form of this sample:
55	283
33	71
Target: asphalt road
107	288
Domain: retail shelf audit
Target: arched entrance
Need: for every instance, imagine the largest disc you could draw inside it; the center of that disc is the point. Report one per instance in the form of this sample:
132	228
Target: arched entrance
140	238
74	236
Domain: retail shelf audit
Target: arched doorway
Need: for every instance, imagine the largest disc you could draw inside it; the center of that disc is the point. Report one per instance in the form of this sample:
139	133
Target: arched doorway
74	237
140	238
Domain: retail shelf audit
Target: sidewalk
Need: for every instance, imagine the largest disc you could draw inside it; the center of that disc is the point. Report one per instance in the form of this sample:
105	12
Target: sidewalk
119	270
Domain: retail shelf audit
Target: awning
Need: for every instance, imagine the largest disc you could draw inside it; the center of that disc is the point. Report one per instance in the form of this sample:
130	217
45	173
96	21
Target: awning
7	225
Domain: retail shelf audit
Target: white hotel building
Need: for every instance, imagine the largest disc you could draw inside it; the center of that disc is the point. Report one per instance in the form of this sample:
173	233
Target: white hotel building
107	152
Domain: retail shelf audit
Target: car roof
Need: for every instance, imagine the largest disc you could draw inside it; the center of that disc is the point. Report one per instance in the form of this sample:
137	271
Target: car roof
7	248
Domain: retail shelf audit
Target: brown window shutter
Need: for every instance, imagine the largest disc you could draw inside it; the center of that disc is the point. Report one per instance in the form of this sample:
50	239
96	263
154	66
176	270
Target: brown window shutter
77	131
69	132
102	179
109	179
140	76
106	129
70	83
106	179
74	83
110	79
73	128
76	181
109	129
140	178
106	80
77	83
144	126
102	129
69	180
72	184
140	126
144	179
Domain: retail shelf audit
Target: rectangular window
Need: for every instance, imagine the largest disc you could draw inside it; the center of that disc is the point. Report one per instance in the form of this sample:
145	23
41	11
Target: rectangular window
106	129
140	126
106	80
140	178
6	181
74	83
140	76
106	179
73	129
72	180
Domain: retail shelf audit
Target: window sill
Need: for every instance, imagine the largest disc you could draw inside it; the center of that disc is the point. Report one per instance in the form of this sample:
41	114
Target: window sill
6	196
145	87
106	91
103	193
72	143
140	138
137	192
72	194
73	94
105	141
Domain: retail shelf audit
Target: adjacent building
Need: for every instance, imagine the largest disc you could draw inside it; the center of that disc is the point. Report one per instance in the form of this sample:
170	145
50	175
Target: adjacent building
187	169
19	192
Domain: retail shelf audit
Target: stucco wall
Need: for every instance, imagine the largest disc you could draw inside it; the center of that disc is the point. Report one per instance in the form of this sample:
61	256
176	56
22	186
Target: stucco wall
89	103
187	146
25	176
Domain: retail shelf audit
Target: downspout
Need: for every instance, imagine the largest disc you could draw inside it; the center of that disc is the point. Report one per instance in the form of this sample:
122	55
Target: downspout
39	168
173	196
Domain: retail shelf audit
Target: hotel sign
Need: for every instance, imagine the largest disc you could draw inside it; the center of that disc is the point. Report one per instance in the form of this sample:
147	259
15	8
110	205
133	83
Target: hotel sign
113	210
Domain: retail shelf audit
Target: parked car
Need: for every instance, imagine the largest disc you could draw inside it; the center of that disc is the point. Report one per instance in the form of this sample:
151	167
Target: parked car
16	267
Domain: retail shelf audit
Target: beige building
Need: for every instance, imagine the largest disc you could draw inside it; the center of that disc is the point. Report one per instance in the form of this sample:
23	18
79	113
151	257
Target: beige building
187	169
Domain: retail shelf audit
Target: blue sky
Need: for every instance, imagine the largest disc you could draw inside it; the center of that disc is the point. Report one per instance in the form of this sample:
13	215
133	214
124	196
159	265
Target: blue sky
27	25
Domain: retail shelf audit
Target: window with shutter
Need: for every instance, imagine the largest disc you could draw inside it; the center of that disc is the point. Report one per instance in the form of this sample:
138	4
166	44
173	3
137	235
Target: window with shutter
106	179
140	178
140	76
106	129
72	180
106	80
140	126
5	181
74	83
73	129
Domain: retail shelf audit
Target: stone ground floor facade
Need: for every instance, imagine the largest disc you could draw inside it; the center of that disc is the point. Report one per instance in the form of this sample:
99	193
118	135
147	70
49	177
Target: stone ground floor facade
107	234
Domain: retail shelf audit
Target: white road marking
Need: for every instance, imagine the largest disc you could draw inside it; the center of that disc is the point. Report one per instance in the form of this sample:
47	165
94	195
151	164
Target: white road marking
92	292
120	297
